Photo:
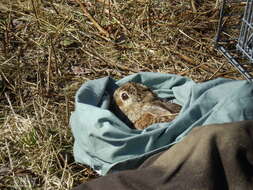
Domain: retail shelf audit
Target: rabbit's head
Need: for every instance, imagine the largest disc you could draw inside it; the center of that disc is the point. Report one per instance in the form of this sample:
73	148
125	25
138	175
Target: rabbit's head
132	93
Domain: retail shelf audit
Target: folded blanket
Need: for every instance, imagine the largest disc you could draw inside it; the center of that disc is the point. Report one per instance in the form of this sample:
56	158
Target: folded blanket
106	143
211	157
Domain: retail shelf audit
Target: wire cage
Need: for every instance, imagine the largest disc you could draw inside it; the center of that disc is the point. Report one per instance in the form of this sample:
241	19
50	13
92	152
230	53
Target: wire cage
234	37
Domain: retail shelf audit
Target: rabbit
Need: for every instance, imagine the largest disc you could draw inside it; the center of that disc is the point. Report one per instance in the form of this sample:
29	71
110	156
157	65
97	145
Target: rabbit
142	106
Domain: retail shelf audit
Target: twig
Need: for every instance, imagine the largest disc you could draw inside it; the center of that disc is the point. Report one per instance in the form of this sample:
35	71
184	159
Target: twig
36	13
67	106
55	56
216	71
88	15
182	32
196	67
193	6
191	62
11	162
8	60
226	73
98	57
9	102
114	16
217	4
106	2
49	68
52	4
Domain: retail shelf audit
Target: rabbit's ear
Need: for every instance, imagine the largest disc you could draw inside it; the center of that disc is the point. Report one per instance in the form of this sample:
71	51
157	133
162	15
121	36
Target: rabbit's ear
172	107
168	106
155	110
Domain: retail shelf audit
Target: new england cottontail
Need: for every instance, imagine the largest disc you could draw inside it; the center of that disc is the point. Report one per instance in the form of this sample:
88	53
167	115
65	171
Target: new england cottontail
142	106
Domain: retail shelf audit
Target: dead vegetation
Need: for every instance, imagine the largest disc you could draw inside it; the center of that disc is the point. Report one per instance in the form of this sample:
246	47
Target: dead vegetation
49	48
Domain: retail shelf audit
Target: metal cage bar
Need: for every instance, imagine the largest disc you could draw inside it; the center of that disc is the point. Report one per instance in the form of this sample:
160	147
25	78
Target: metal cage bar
243	45
245	41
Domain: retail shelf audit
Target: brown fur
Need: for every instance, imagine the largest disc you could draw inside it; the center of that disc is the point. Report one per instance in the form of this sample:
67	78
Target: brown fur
143	107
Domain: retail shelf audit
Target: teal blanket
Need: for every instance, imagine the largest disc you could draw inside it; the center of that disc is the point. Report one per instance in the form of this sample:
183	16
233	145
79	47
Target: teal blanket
105	143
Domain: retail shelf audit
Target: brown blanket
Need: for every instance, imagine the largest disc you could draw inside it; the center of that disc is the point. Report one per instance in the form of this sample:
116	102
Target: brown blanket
210	157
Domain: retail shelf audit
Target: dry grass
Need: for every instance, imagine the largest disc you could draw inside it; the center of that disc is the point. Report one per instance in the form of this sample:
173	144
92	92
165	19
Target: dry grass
49	48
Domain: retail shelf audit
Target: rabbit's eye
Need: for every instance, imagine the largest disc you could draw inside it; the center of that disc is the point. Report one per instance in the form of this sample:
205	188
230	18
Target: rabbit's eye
124	96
